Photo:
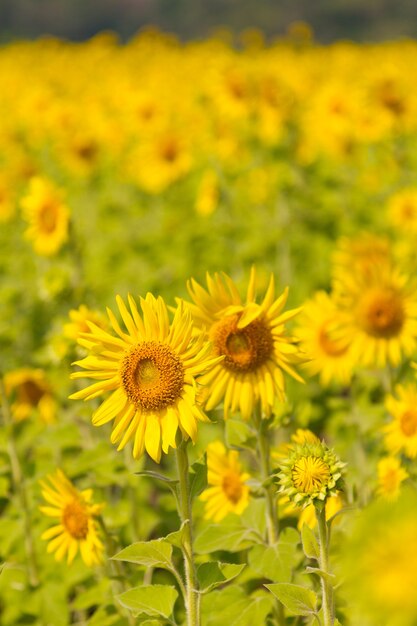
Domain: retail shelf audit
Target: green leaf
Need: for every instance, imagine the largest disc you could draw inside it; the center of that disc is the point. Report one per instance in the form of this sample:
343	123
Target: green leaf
234	607
156	553
94	596
297	599
229	536
326	575
254	516
198	477
239	434
152	600
310	544
176	538
157	476
213	574
278	561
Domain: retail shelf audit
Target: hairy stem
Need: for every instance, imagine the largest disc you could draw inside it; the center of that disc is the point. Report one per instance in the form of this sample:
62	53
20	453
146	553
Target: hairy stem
326	590
272	522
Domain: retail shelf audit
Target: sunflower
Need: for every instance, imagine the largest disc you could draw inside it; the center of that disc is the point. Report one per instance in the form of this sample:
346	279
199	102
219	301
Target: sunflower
402	210
390	477
251	338
79	319
227	492
319	332
76	528
151	371
30	392
47	215
401	432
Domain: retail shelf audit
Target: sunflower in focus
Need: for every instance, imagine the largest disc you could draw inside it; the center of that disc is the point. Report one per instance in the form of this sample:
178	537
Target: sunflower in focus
390	477
47	215
227	491
76	528
319	333
251	338
401	432
30	392
151	371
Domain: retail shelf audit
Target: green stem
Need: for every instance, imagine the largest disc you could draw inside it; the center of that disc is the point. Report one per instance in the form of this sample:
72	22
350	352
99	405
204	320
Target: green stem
192	599
272	522
326	590
20	488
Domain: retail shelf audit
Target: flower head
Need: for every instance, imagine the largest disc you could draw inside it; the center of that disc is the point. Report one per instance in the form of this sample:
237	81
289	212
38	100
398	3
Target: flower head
30	391
390	477
79	319
252	341
151	370
76	528
227	491
310	474
401	432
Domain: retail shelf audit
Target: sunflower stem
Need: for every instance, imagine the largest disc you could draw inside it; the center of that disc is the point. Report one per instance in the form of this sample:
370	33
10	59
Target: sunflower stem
192	599
20	487
326	590
272	522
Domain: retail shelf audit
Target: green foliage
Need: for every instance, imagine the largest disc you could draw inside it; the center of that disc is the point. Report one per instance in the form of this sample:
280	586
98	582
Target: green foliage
152	600
298	600
310	544
215	574
157	553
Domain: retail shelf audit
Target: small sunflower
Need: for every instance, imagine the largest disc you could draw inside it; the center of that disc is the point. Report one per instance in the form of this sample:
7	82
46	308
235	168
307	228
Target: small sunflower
252	341
228	492
79	319
47	215
319	334
402	210
151	370
76	528
30	392
390	477
401	432
311	473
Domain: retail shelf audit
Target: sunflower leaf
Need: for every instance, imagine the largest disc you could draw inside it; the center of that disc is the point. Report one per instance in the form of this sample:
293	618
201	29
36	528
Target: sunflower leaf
198	477
155	553
157	476
213	574
297	599
310	544
152	600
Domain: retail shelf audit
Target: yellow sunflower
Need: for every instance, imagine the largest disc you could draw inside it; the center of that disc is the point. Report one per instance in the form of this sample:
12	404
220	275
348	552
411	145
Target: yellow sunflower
76	528
79	319
227	492
151	370
319	336
30	392
390	477
402	210
251	338
47	215
401	432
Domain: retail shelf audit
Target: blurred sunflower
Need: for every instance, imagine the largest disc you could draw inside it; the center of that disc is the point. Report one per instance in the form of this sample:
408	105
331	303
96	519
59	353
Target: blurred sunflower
76	528
227	492
30	391
151	371
401	432
47	215
402	210
390	477
79	319
251	338
319	336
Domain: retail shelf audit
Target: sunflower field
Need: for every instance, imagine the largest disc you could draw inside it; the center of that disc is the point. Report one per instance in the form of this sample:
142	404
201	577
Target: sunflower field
208	332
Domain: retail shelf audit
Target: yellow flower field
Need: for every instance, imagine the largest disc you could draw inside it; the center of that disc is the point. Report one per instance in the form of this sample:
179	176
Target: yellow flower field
208	332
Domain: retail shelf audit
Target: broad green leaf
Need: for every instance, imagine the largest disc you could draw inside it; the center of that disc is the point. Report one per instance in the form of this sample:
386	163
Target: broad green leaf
95	595
310	544
198	478
326	575
102	618
229	536
239	434
176	538
152	600
234	607
254	516
297	599
156	553
214	573
278	561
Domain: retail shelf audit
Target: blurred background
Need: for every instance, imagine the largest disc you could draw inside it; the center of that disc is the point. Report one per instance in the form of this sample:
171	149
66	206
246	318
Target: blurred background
370	20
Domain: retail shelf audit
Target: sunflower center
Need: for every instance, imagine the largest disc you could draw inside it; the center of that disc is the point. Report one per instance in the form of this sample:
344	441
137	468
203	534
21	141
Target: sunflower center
47	218
75	519
232	487
309	474
408	422
31	393
329	344
382	314
244	349
152	376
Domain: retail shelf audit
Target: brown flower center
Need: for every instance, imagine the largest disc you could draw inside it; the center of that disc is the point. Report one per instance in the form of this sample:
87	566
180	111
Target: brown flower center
245	349
75	519
408	422
381	313
30	392
152	376
48	217
232	487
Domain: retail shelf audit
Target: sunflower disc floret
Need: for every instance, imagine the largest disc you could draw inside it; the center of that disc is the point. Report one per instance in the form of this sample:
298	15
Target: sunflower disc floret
310	474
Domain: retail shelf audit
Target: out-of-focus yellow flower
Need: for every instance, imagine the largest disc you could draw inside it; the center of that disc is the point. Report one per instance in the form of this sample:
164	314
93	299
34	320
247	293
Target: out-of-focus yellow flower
47	215
30	392
401	432
308	515
390	477
208	194
251	338
319	333
227	491
7	200
151	370
402	210
80	319
76	528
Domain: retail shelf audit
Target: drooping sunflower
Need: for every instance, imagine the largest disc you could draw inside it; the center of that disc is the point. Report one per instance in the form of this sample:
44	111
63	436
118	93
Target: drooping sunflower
227	491
401	432
76	528
151	370
47	215
30	391
319	333
251	338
